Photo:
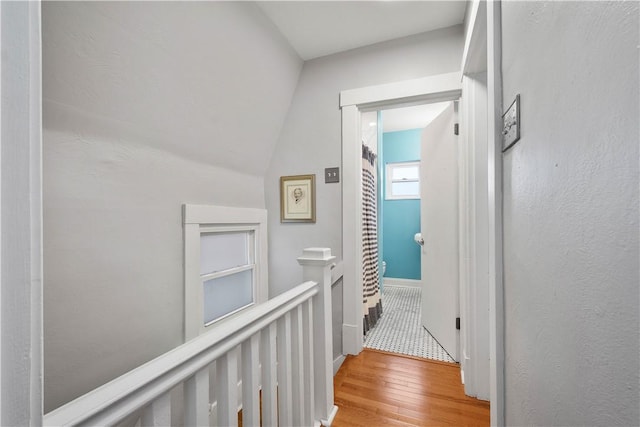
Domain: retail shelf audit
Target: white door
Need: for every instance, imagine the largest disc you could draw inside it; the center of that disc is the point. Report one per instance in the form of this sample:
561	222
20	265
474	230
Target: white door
439	228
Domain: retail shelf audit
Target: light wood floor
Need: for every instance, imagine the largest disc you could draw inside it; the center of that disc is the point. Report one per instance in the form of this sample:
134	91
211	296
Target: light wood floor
377	388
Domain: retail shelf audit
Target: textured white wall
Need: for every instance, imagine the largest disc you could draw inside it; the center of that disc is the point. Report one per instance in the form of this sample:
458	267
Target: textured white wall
311	141
209	81
147	106
571	214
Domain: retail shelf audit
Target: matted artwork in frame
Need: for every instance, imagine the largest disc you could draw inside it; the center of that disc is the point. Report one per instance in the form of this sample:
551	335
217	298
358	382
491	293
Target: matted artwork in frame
298	198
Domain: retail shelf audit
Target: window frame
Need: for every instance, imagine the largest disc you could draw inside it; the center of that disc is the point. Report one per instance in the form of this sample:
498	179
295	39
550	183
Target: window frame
389	181
203	219
249	266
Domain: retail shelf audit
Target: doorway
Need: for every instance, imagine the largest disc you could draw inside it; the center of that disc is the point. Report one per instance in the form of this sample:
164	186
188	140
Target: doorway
397	137
439	88
444	87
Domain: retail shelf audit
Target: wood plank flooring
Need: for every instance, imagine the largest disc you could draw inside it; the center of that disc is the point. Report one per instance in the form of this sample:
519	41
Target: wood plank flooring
377	388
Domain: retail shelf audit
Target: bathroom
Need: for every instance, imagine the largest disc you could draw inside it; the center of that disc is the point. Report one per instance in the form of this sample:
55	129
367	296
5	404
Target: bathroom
395	136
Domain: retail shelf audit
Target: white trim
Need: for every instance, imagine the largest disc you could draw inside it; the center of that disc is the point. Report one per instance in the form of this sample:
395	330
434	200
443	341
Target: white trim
329	420
199	219
227	272
352	328
428	89
496	288
337	362
21	214
473	237
402	283
474	56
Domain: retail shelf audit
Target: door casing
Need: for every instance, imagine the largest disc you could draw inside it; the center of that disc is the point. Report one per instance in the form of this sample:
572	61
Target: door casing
438	88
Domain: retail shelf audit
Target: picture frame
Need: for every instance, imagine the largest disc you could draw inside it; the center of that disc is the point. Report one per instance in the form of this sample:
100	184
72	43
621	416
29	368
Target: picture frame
298	198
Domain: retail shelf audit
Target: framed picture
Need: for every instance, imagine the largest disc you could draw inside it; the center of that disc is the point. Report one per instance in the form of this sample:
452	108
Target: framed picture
298	198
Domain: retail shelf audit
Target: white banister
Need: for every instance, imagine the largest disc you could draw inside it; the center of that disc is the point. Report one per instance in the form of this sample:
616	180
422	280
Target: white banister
132	391
309	385
227	387
196	399
316	264
251	381
269	381
281	348
285	411
158	413
297	367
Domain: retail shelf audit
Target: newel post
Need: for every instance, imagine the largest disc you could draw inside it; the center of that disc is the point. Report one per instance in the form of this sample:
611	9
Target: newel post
316	266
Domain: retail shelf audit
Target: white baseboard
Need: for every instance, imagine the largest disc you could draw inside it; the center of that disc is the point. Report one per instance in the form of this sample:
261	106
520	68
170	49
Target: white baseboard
407	283
350	338
337	363
332	416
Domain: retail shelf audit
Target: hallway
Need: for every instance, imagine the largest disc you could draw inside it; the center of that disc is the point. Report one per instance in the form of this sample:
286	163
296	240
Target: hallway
376	388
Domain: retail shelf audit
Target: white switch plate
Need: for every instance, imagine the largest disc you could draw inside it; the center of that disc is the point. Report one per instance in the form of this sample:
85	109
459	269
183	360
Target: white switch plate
511	124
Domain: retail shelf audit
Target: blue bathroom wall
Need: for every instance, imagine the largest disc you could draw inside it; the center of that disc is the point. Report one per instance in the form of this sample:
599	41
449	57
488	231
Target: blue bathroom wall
400	218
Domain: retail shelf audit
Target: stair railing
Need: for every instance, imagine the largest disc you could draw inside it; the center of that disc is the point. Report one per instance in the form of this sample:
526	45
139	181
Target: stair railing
281	347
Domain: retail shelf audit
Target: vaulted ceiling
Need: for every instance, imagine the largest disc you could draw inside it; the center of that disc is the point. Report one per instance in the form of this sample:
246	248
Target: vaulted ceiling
208	81
318	28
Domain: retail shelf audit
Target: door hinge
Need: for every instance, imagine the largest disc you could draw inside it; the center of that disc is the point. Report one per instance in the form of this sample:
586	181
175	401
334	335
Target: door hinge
456	129
457	323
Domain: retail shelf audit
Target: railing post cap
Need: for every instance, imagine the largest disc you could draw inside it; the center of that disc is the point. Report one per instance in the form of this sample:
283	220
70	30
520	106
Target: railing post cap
316	256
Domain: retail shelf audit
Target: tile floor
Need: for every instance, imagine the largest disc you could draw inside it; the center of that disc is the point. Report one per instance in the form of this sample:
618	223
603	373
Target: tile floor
399	330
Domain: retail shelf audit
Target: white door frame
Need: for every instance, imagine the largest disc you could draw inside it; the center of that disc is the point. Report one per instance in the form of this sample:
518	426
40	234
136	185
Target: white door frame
21	214
442	87
496	285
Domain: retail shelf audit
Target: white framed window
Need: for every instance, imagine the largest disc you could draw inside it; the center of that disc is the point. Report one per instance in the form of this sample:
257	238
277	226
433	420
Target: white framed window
402	180
225	260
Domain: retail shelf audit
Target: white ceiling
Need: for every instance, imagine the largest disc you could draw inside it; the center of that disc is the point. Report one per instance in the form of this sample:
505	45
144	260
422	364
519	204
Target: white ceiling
319	28
417	117
398	119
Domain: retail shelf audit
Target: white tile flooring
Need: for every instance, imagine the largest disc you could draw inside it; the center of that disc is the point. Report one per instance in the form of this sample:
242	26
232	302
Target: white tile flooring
399	330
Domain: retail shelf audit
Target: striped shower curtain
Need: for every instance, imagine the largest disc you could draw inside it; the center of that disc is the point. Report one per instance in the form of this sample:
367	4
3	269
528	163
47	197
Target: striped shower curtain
370	275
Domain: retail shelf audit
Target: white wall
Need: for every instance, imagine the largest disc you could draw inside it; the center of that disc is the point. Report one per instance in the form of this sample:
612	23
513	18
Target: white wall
147	106
210	81
311	139
571	268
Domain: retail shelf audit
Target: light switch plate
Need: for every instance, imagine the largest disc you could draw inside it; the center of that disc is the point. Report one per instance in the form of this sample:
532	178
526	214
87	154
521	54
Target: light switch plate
332	175
511	124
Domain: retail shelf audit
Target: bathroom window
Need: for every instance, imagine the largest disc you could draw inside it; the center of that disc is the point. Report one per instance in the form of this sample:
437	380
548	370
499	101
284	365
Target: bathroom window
402	181
225	263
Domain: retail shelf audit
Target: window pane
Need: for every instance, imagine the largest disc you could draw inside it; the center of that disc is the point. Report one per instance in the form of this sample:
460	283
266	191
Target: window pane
410	188
221	251
226	294
405	172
